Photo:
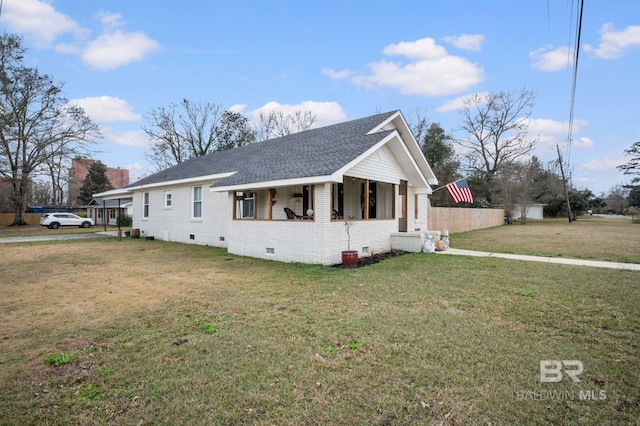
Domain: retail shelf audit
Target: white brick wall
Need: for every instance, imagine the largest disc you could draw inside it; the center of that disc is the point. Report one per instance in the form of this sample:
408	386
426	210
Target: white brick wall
176	224
318	241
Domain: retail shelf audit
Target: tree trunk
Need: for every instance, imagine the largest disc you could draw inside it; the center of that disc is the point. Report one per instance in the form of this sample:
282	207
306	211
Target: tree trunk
21	207
20	203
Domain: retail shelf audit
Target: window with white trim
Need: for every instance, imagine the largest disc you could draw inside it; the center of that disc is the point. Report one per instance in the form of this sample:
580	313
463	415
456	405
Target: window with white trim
145	204
167	199
196	197
245	205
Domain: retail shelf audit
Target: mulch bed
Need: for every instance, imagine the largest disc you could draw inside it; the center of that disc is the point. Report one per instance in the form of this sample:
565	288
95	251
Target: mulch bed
374	258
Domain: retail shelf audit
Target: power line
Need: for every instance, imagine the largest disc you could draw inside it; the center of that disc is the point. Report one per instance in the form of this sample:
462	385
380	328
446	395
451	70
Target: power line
575	78
571	108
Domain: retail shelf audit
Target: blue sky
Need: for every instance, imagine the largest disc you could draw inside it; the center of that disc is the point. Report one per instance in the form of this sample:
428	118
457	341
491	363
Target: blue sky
345	60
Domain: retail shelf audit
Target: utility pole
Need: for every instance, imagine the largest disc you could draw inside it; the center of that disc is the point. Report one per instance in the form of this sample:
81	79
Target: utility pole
564	183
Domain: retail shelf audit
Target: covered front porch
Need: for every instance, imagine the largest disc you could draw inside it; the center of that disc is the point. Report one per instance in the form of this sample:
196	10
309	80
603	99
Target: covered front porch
306	223
352	199
107	211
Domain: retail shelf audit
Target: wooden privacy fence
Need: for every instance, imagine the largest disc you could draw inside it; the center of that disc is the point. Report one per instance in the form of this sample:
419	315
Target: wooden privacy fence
462	220
7	219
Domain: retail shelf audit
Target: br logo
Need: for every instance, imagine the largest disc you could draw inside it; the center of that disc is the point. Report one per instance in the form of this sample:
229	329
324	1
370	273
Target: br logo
551	371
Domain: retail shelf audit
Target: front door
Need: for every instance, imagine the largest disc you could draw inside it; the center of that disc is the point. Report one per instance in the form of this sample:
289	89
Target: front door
368	195
402	217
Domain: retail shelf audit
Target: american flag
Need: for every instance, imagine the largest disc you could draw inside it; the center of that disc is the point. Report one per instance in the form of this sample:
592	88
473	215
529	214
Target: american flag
460	191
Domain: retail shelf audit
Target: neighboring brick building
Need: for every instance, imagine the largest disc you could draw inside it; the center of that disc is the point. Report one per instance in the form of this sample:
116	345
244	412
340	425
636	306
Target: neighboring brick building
79	170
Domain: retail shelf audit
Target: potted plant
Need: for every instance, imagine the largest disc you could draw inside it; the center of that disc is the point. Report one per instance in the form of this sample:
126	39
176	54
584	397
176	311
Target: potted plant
349	257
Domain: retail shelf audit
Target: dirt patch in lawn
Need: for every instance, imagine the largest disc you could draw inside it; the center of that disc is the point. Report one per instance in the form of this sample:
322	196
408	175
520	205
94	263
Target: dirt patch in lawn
46	288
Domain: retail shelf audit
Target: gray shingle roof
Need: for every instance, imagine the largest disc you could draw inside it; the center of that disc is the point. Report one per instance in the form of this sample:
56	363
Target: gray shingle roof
316	152
99	202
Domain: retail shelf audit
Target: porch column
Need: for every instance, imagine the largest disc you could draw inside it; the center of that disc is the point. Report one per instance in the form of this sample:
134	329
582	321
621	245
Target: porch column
272	195
366	199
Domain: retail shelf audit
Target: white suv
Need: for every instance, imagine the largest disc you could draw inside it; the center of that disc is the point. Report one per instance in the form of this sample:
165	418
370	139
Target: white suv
56	220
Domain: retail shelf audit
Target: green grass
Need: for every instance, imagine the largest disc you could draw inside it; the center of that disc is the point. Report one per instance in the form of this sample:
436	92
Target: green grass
590	237
417	339
59	359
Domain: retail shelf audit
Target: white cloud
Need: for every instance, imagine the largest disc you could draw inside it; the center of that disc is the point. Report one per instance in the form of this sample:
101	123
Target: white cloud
606	163
614	43
599	175
430	71
325	112
134	138
68	48
136	172
552	133
471	42
105	109
111	21
548	126
459	102
45	26
425	48
337	75
582	143
113	50
40	22
549	59
239	108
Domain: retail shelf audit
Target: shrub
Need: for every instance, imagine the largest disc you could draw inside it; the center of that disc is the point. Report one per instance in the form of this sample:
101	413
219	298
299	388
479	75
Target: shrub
124	220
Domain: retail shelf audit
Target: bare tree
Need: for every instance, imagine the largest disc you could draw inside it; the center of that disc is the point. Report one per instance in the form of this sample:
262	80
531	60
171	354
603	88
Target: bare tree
190	129
497	131
55	166
274	124
57	173
41	192
34	119
616	198
526	186
419	124
518	188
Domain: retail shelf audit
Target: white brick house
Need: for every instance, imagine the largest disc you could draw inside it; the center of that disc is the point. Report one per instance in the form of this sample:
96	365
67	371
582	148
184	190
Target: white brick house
370	171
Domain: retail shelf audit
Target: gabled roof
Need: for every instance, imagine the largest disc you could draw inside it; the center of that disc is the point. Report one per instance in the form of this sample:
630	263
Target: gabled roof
313	153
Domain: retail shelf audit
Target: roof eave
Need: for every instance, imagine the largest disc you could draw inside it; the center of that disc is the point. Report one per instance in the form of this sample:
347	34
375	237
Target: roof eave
310	180
114	194
197	179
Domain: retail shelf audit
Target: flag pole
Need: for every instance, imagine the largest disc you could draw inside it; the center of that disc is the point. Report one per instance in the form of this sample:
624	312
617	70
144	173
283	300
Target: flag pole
444	186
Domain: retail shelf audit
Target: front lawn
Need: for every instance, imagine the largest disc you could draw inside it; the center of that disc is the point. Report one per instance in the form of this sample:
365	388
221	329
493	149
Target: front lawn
146	332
